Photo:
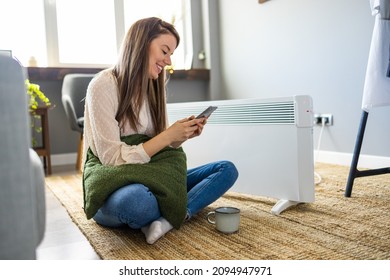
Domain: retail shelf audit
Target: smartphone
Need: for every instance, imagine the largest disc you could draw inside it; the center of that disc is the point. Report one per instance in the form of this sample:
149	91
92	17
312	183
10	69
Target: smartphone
206	113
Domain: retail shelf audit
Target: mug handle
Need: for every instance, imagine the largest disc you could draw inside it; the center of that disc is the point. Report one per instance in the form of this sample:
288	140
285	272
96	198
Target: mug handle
209	215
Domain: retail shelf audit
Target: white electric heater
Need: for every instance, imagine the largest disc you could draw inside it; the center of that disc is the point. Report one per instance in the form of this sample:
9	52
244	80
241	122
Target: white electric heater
269	140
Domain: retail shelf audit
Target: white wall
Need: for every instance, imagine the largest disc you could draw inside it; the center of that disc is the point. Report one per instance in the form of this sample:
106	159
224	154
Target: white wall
315	47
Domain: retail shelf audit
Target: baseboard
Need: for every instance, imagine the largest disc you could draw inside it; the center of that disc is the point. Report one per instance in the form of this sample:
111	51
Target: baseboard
365	161
63	159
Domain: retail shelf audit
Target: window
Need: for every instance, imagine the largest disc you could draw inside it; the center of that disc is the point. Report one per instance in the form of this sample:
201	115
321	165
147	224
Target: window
86	32
83	33
22	29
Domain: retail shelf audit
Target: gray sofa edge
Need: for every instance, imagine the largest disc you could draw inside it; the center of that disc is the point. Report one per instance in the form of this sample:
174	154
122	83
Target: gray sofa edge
22	182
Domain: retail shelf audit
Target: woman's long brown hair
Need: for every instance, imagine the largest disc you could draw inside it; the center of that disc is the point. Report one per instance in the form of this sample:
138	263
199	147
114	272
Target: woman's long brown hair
131	72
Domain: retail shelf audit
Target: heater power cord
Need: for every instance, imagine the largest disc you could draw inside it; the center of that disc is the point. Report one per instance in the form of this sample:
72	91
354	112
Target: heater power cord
317	175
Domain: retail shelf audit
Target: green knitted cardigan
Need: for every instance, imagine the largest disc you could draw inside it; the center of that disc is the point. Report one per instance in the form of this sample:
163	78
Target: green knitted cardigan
165	176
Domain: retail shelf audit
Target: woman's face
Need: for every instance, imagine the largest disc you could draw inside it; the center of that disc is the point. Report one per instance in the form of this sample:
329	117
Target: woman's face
160	51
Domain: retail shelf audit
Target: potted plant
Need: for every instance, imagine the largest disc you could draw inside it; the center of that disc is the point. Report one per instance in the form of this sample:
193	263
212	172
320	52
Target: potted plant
34	92
37	97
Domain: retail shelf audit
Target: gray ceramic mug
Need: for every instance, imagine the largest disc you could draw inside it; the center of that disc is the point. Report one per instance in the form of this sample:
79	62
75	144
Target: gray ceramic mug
226	219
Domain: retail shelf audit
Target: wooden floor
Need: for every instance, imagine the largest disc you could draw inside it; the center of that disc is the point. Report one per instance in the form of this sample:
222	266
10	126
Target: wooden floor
63	240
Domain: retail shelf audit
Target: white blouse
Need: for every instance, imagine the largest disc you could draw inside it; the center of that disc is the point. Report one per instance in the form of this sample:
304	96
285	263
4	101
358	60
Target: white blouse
102	131
376	91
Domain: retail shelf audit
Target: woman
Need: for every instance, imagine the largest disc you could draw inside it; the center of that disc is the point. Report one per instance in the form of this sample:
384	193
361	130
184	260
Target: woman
127	100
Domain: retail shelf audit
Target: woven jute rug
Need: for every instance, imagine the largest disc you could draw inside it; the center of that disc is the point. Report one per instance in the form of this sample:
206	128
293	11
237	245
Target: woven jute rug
331	228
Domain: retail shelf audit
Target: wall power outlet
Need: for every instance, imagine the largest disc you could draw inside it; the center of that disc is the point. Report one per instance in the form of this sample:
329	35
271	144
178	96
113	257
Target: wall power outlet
319	119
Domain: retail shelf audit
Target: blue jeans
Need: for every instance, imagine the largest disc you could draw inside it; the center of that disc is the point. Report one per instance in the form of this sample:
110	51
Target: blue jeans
135	206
